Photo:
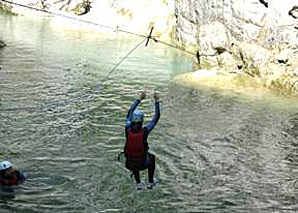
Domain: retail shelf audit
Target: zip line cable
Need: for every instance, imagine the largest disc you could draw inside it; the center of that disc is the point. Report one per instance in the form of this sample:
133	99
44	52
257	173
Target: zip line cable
99	86
73	18
104	26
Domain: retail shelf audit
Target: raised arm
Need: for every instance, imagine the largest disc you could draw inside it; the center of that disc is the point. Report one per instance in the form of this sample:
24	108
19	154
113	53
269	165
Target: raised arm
156	116
132	109
130	112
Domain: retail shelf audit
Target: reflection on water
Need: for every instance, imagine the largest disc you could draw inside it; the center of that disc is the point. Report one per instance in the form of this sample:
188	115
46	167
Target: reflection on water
216	151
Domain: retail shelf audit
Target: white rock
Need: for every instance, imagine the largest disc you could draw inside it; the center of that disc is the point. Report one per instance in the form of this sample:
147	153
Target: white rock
211	37
245	18
283	56
254	54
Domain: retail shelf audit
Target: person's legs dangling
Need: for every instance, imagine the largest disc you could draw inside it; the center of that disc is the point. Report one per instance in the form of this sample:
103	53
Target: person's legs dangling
136	174
151	167
140	184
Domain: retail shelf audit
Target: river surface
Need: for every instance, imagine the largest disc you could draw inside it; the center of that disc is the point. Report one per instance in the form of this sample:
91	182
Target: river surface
62	122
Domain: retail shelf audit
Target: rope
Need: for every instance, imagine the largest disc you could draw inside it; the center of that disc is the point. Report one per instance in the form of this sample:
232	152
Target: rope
104	26
115	67
73	18
60	102
99	86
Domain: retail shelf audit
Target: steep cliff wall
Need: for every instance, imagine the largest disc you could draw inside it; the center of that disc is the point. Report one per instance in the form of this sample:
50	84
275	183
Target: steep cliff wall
270	22
255	37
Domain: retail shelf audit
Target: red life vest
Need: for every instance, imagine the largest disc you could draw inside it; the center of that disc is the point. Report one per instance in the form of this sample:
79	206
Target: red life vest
11	181
134	146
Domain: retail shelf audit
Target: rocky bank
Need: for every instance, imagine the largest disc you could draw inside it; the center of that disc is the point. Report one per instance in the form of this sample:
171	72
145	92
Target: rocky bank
258	38
255	37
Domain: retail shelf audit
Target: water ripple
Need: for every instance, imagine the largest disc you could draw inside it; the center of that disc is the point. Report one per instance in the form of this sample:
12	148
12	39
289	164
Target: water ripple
62	122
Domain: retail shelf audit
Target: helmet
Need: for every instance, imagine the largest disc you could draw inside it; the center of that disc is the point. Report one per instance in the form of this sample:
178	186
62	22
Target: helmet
137	116
5	165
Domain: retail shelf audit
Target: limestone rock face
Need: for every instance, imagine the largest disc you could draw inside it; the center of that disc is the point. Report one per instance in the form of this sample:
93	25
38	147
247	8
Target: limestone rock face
269	21
257	37
213	37
254	55
229	63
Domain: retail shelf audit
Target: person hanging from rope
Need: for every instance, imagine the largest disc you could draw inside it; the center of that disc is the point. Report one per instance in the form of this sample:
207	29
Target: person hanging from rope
136	146
10	176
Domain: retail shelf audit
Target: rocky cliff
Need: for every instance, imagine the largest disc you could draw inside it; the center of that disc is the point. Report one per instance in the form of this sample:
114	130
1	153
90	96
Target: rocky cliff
270	22
255	37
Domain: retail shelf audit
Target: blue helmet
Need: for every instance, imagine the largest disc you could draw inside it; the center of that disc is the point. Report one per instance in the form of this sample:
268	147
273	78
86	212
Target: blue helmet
5	165
137	116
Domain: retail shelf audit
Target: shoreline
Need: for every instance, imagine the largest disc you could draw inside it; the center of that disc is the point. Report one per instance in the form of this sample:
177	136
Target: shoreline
217	48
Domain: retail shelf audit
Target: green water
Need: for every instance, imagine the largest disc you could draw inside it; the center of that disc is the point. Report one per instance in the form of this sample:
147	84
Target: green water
215	152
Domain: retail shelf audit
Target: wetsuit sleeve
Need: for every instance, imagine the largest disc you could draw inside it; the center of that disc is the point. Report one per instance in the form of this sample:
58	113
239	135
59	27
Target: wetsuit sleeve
129	114
155	118
22	177
19	177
